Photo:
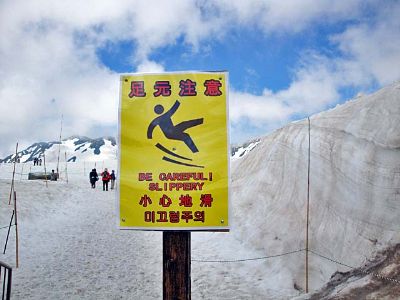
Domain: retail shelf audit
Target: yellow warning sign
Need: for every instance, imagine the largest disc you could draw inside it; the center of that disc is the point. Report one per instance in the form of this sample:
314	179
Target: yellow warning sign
173	141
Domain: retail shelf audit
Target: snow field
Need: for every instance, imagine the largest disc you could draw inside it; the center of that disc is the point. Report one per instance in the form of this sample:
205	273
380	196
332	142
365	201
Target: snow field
70	248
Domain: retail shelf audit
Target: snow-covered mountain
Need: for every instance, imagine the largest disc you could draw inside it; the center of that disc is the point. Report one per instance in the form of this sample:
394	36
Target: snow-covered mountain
242	150
80	148
75	148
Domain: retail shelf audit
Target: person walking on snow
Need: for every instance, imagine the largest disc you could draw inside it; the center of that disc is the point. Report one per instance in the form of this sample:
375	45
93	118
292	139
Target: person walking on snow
53	176
105	177
112	179
93	178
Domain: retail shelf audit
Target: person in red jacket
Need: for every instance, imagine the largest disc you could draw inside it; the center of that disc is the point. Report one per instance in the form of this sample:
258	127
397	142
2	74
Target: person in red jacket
105	177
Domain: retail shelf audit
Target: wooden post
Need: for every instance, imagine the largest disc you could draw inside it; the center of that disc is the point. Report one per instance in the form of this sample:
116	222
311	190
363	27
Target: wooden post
45	172
22	172
66	169
13	175
16	229
176	265
308	201
8	232
59	145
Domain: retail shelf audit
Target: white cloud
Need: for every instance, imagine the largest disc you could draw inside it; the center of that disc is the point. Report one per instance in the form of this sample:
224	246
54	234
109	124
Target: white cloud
372	51
313	88
259	109
287	16
147	66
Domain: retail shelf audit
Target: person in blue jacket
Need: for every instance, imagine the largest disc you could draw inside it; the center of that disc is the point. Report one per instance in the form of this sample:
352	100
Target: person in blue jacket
112	179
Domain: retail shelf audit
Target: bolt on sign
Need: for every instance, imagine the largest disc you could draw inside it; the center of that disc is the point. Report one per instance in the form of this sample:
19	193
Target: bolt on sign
174	162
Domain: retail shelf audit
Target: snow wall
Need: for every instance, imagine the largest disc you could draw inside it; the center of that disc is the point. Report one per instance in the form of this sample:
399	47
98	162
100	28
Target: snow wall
354	188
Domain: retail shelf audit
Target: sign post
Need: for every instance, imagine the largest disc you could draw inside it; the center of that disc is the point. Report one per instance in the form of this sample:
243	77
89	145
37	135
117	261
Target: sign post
174	162
176	265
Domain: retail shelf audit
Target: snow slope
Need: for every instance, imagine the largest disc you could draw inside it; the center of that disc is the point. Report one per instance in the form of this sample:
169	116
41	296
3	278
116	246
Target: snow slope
354	186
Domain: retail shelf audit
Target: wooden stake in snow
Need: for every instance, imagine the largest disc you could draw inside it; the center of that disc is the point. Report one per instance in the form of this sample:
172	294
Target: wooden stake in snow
22	171
8	232
13	175
45	173
308	200
66	169
59	145
16	229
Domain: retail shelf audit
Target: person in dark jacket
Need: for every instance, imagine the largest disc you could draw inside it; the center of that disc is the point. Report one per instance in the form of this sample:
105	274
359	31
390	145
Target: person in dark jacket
93	178
112	179
105	177
53	176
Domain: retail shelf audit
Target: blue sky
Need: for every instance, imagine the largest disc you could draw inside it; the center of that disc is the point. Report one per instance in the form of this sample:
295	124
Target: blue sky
254	59
286	59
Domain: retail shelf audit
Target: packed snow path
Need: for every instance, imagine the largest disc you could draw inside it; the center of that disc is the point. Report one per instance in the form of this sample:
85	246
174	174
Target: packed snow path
70	248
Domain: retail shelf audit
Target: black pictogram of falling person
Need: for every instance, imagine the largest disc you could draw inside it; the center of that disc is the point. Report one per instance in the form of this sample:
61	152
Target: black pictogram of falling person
171	131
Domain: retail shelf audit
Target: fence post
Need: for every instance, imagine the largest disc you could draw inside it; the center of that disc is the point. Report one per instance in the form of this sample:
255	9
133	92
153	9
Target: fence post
8	232
16	230
22	172
66	168
308	202
13	175
45	172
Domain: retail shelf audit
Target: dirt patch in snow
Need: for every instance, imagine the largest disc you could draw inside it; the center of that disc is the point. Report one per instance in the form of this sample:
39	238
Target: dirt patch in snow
379	278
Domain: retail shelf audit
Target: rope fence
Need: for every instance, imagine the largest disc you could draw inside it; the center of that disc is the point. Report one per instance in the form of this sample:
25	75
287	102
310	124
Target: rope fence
248	259
61	172
296	251
330	259
7	226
